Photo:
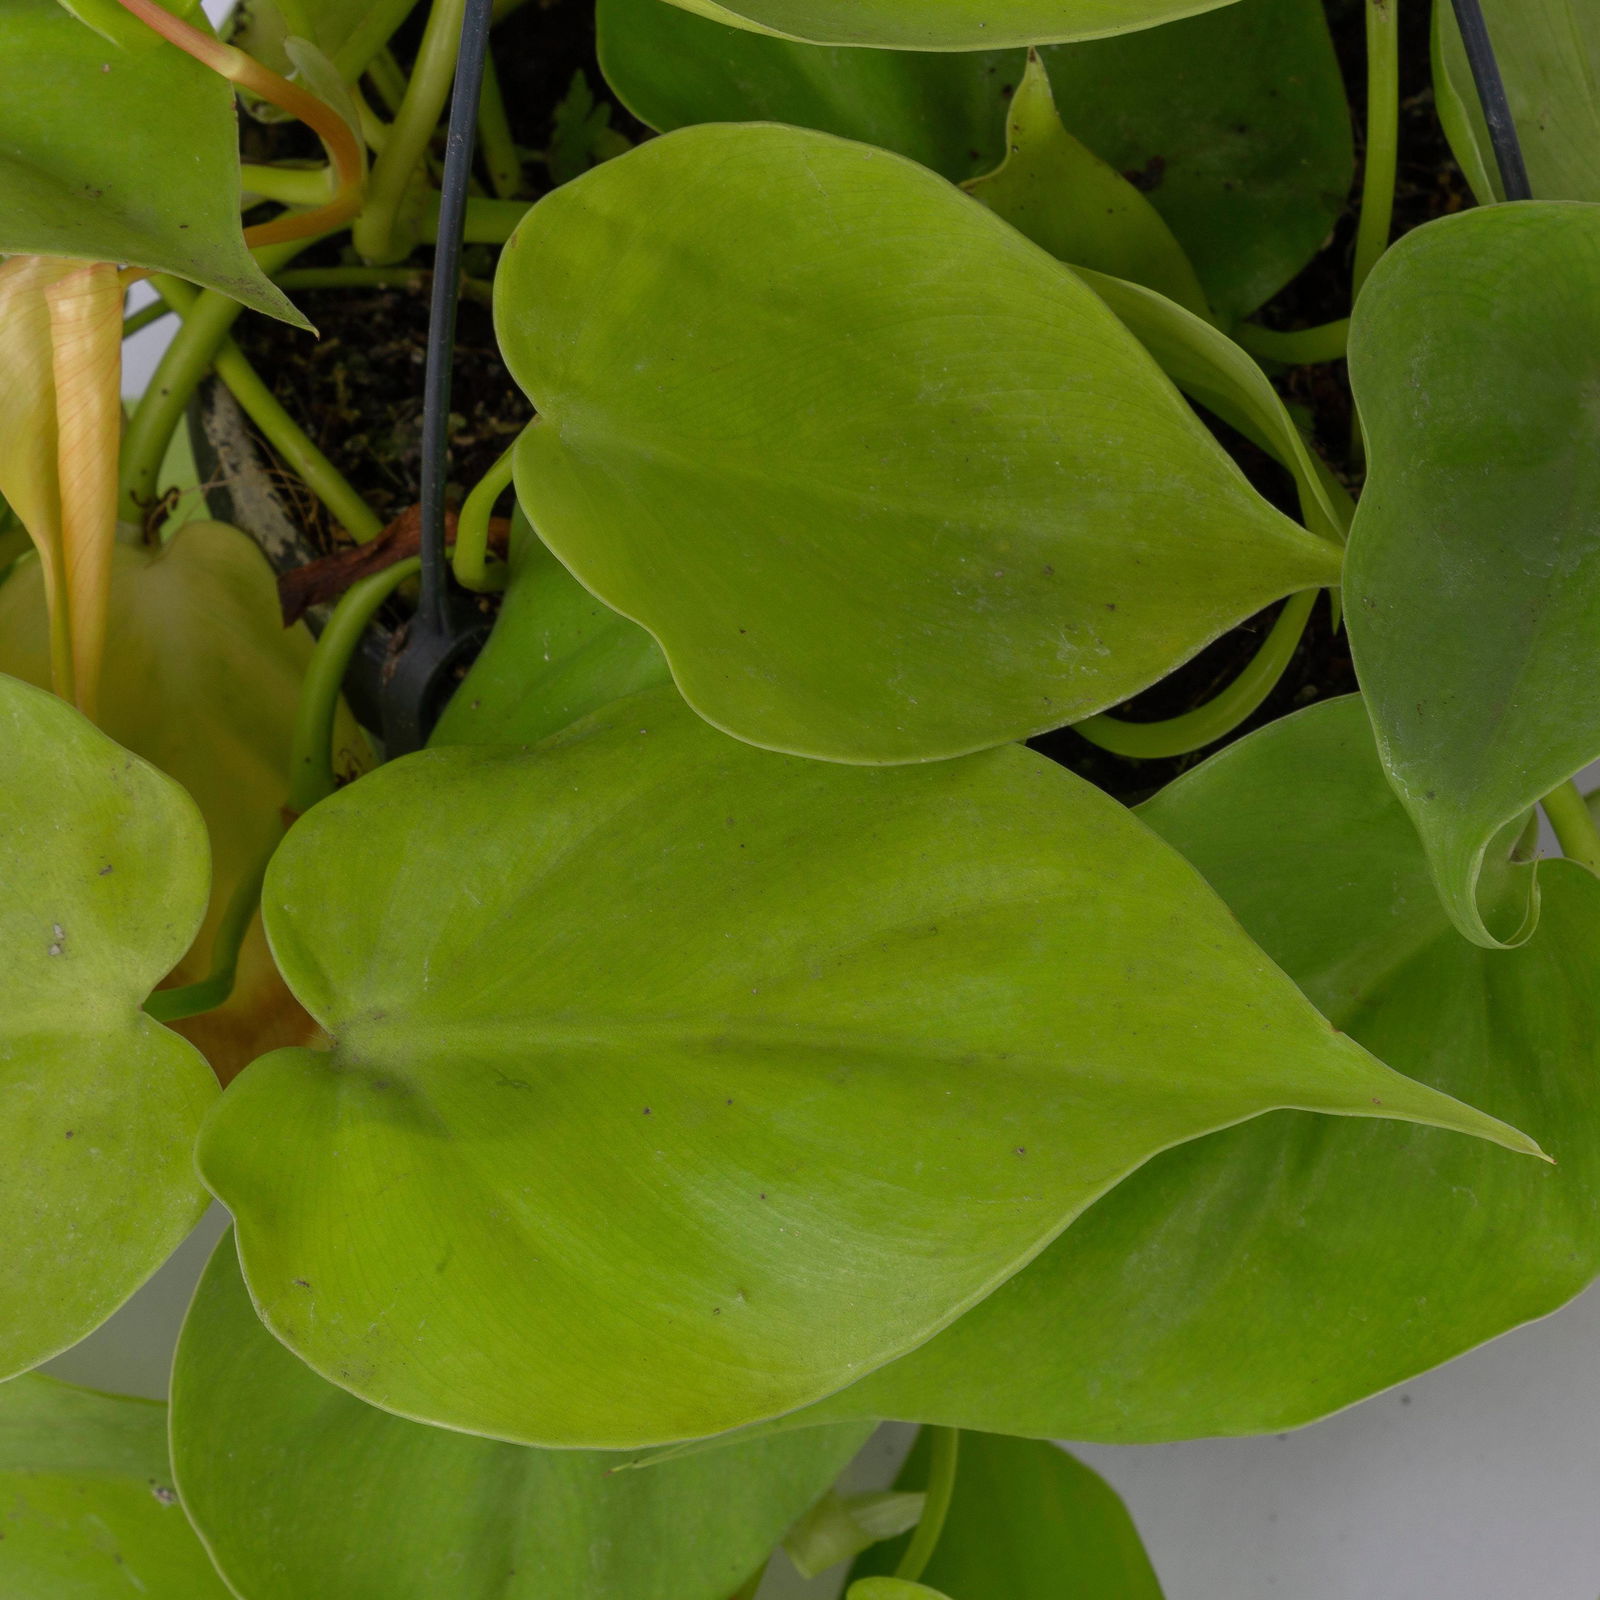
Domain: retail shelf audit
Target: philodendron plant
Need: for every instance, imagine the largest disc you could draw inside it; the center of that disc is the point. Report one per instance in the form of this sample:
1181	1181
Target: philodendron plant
727	1034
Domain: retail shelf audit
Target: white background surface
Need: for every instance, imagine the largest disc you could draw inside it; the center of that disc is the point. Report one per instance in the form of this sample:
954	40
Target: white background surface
1480	1481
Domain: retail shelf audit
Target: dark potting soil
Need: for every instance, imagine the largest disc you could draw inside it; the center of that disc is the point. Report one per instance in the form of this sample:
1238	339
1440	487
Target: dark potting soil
357	390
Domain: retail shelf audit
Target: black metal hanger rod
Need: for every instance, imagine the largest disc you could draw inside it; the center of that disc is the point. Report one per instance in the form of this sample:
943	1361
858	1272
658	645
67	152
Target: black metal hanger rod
1492	97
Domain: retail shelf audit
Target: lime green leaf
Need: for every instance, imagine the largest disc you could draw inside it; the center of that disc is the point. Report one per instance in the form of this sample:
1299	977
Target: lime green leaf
636	1008
116	23
555	655
1250	176
672	68
300	1490
349	32
1473	586
1268	1275
1546	50
944	24
885	481
1236	125
102	884
202	680
1025	1520
87	1507
1068	201
123	154
891	1589
1213	371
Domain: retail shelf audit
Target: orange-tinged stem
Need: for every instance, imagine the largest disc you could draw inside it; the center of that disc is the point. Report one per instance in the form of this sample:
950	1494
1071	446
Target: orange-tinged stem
343	145
86	350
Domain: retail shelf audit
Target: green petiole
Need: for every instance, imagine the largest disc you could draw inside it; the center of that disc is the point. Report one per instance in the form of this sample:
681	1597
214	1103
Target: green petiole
488	221
376	230
189	1000
1301	347
387	79
290	186
354	278
285	436
1383	139
494	137
470	561
207	317
1574	825
944	1450
477	289
1194	730
142	318
297	452
311	776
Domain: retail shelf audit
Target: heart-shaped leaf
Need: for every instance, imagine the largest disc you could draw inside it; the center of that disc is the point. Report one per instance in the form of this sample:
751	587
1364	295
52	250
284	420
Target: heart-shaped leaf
123	153
1023	1516
672	68
87	1508
1546	51
1473	587
1213	371
1058	192
555	655
301	1490
1234	123
879	500
944	24
599	1155
1268	1275
102	885
1249	177
202	681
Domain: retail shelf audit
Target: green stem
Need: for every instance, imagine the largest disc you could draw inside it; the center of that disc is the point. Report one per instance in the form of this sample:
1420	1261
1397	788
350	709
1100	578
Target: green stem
1301	347
478	289
488	221
142	318
294	449
494	137
354	278
1383	138
470	561
374	130
945	1448
1574	824
207	317
281	431
408	137
168	1005
1177	736
290	186
387	79
311	776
